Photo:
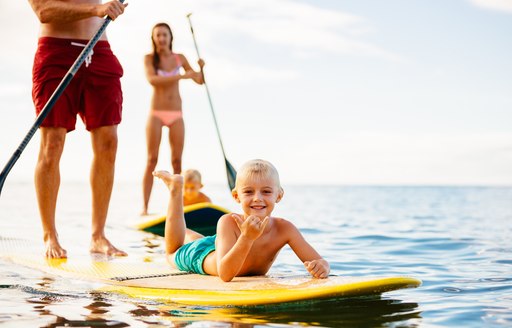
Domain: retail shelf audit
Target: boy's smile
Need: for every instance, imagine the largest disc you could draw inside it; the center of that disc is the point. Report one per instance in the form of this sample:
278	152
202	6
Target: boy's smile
259	210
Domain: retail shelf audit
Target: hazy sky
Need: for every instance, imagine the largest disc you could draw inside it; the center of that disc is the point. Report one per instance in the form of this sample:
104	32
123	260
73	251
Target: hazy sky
331	92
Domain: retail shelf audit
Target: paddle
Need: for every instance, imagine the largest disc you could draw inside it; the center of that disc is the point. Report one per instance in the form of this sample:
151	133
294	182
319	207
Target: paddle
53	99
230	170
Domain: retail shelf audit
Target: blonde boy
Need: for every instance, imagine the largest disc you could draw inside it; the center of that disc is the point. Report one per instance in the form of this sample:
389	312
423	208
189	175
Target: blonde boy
192	189
245	244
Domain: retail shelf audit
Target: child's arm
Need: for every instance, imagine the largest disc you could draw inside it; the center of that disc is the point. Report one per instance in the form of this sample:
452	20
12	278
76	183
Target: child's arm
313	262
232	251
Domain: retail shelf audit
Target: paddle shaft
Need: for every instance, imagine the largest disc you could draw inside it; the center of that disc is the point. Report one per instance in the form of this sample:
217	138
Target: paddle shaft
231	172
53	99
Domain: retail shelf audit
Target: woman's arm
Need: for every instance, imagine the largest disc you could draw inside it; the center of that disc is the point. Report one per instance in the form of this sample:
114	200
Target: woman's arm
61	11
157	80
196	76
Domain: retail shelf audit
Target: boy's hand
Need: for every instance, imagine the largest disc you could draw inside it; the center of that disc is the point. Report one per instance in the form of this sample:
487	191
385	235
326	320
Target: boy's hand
318	268
252	227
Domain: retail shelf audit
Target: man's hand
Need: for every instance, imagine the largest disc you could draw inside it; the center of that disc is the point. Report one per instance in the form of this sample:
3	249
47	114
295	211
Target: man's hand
112	9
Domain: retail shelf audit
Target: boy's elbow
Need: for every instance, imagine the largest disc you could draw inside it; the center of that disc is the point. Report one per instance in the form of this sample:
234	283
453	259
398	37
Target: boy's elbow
225	277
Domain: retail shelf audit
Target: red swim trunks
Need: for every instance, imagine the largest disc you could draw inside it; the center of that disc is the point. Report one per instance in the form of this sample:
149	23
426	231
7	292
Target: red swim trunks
94	92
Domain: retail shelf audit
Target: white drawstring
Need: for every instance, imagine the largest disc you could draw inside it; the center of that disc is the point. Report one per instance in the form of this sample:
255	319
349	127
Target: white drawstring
88	59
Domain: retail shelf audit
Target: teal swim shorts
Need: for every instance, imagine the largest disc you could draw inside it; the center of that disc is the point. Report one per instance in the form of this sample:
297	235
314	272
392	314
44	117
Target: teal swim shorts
190	257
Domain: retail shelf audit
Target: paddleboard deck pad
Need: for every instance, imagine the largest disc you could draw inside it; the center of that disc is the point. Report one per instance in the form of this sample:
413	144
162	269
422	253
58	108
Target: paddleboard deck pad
157	281
201	217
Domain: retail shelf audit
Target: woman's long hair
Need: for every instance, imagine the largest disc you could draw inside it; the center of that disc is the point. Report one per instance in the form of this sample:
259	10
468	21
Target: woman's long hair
156	56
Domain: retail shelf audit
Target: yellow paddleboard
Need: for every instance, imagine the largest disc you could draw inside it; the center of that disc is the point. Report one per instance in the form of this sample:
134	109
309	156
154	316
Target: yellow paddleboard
157	281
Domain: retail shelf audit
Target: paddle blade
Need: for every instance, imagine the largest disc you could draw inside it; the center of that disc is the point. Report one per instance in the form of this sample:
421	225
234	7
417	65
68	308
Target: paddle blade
231	172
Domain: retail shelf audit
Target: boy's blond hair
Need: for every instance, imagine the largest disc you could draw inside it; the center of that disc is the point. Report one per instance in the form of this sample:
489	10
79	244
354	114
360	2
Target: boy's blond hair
191	175
258	168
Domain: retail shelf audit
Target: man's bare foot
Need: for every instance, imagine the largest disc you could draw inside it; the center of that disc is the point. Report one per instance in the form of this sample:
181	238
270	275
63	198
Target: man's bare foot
173	181
101	245
144	213
54	250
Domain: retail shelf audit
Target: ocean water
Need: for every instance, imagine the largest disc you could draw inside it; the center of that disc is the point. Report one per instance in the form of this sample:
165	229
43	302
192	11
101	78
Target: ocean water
457	240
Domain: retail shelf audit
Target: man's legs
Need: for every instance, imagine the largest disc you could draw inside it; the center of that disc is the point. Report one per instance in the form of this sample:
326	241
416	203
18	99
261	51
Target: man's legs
47	182
104	145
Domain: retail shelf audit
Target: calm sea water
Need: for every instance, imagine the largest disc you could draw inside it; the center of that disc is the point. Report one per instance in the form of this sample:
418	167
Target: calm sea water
458	240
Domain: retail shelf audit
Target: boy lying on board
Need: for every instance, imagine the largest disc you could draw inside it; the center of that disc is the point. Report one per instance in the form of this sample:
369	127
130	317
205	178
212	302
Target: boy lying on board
246	244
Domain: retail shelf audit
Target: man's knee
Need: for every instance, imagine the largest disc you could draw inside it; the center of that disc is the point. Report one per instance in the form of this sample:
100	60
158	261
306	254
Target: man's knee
109	144
105	140
52	145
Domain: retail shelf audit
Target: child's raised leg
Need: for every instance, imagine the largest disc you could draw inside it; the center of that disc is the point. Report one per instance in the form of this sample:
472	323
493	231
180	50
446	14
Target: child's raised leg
175	228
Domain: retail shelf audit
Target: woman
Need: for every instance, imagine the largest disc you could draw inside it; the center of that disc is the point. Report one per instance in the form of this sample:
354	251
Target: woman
164	70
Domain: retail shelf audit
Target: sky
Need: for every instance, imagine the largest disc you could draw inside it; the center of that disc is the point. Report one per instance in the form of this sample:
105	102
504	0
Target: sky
398	92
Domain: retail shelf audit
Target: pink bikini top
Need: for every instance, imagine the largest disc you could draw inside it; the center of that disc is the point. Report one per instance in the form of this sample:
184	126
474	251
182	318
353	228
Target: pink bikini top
174	71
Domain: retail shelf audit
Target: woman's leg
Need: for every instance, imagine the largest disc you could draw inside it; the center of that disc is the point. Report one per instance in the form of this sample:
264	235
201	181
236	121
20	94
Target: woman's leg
177	141
153	136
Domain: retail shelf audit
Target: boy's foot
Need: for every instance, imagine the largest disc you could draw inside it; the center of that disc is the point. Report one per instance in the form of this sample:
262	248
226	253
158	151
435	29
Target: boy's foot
173	181
102	245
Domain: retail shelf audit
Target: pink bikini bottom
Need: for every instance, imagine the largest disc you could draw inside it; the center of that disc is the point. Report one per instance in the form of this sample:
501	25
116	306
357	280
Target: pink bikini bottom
167	117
